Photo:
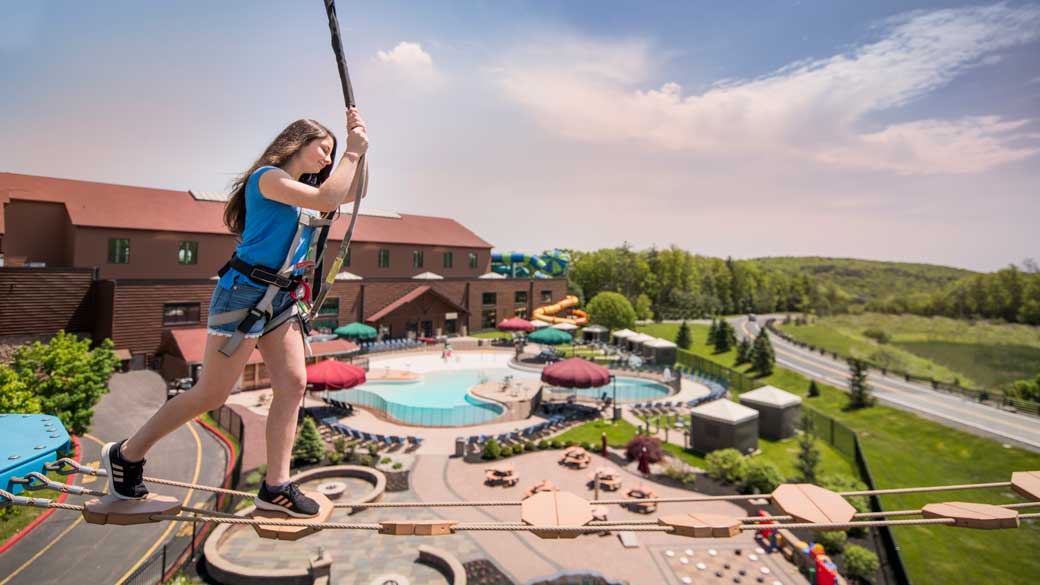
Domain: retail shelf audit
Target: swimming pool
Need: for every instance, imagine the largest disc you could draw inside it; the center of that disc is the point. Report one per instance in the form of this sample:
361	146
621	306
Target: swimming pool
442	399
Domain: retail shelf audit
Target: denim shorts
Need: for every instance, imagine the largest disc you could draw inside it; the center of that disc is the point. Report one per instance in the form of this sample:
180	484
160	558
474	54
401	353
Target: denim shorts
244	296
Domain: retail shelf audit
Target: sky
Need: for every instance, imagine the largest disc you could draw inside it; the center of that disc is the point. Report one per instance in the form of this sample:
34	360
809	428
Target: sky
885	130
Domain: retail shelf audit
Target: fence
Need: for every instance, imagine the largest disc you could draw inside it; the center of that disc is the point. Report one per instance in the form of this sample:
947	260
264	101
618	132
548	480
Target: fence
992	397
846	441
738	382
185	546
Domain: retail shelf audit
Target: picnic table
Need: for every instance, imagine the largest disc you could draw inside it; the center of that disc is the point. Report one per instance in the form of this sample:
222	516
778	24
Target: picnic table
501	475
608	479
544	485
641	493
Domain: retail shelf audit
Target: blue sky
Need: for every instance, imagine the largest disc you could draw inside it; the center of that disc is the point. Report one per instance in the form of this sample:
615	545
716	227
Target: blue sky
887	130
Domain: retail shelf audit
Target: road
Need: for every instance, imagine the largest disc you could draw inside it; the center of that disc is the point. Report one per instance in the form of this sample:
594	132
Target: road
1018	429
65	549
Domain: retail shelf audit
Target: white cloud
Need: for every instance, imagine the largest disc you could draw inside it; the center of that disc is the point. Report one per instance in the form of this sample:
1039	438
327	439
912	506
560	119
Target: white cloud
410	61
817	110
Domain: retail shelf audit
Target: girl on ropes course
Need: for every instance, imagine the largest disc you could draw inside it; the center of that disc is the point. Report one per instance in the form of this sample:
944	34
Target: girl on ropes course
273	208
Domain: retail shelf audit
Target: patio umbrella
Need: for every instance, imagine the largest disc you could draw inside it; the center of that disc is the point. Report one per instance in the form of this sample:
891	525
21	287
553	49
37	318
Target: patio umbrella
565	327
549	336
356	331
575	373
644	462
539	324
515	324
334	375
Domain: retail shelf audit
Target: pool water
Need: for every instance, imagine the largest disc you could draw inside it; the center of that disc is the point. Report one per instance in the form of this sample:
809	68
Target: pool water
442	399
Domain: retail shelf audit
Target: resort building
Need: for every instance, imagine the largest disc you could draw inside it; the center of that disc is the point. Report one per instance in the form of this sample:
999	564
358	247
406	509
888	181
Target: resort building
135	264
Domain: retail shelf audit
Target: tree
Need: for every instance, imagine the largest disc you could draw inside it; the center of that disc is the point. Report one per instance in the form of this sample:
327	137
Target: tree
642	307
308	447
725	337
743	351
654	452
683	338
612	310
492	450
833	541
15	396
808	453
713	331
814	390
859	391
860	563
68	377
762	357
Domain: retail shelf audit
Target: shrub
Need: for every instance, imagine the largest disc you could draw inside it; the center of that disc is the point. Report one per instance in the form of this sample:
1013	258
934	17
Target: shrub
492	450
860	563
518	449
333	456
878	335
543	444
529	446
398	465
681	471
761	477
833	541
505	452
385	460
308	447
653	448
340	445
373	450
570	443
727	465
366	460
556	444
814	390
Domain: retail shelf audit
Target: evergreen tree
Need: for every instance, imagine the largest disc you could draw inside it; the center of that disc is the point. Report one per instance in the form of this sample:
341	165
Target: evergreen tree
683	339
859	391
808	453
762	357
743	351
814	390
308	447
725	337
713	332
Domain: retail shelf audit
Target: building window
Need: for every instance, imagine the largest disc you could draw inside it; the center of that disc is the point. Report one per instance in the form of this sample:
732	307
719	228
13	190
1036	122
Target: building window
118	251
489	298
472	260
488	319
417	259
188	252
520	297
384	258
520	312
546	296
327	318
180	313
449	259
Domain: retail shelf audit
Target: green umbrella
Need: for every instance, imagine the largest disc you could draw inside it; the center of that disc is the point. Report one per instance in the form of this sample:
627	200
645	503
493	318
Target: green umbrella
549	336
356	331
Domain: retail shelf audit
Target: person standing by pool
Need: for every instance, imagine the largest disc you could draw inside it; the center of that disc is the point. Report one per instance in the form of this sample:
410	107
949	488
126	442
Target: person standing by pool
293	176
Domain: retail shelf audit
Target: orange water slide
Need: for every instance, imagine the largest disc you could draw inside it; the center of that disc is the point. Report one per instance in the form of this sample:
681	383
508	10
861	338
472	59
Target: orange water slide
546	313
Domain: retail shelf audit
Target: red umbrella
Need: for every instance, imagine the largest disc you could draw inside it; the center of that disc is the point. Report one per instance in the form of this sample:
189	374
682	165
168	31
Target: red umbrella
334	375
644	462
516	324
576	373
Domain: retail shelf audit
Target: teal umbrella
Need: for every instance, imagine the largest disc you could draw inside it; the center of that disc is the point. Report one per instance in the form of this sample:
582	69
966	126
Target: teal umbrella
356	331
549	336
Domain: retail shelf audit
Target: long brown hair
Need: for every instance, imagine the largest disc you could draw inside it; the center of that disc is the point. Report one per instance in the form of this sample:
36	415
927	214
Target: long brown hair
282	148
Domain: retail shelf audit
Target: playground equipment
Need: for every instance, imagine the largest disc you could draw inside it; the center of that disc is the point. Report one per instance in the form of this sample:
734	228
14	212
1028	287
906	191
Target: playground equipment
552	263
547	312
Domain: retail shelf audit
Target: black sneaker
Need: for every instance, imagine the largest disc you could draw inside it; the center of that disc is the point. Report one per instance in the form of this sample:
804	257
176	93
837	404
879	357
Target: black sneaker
124	477
289	500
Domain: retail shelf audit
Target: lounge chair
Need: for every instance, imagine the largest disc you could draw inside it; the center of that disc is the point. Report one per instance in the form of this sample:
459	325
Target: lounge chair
414	440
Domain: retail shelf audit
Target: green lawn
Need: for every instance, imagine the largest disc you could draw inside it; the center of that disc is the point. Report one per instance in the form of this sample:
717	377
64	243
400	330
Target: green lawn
905	450
977	354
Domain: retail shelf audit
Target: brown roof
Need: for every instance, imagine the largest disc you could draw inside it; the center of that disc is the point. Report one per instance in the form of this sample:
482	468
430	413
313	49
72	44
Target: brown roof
411	296
105	205
192	346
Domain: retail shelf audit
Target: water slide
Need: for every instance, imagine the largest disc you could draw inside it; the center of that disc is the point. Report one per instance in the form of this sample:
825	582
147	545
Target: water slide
547	313
550	264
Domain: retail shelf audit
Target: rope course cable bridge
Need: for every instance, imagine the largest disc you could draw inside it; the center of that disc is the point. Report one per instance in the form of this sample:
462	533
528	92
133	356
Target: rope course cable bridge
546	514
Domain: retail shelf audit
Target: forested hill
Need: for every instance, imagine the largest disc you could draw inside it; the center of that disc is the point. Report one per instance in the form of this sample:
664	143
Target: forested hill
870	280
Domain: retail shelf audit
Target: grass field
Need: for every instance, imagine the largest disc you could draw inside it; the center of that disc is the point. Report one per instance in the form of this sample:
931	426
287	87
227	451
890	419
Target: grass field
979	354
905	450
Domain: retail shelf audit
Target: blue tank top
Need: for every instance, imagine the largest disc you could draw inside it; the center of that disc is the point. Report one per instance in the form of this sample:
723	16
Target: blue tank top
270	227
